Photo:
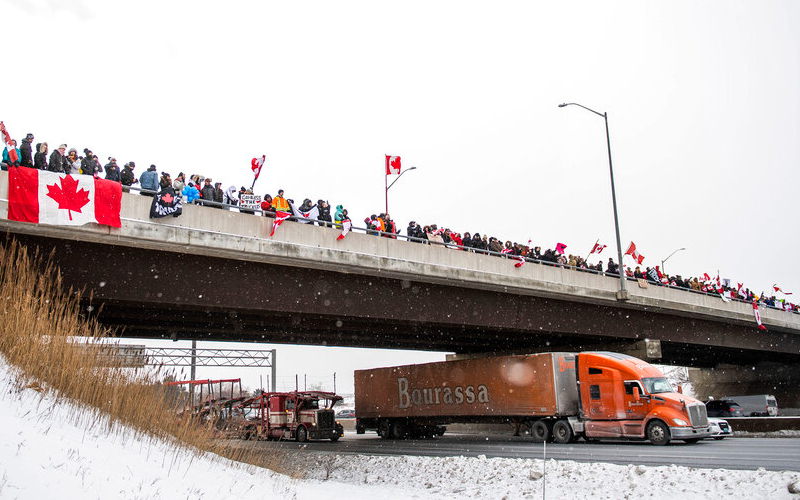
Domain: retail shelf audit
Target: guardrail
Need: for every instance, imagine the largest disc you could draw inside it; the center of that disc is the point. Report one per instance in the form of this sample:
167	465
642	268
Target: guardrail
450	245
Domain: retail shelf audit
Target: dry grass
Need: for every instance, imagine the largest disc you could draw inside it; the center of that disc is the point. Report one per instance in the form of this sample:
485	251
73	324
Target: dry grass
39	322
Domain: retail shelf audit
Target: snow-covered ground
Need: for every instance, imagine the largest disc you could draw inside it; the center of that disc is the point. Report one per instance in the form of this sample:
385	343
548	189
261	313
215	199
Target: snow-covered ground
46	452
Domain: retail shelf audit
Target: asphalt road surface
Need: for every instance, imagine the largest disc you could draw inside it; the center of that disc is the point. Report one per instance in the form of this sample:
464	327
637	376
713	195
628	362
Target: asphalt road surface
731	453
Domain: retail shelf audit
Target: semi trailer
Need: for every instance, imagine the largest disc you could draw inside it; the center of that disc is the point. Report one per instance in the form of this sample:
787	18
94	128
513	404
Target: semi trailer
559	396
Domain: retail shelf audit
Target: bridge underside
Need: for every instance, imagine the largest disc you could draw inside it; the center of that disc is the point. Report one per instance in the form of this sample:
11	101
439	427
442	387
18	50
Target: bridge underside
152	294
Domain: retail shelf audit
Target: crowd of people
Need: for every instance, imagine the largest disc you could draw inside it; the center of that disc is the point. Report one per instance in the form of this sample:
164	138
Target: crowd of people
199	189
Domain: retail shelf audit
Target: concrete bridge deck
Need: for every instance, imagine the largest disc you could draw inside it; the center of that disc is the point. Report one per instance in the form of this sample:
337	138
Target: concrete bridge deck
216	274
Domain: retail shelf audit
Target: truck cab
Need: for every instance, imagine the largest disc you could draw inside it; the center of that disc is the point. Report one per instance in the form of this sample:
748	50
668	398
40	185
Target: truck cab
291	415
625	397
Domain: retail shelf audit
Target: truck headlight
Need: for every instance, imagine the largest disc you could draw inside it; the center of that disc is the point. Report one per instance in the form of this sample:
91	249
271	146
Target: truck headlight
679	421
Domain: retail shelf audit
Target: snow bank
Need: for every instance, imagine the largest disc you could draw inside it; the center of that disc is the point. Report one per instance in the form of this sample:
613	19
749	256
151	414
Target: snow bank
44	454
481	477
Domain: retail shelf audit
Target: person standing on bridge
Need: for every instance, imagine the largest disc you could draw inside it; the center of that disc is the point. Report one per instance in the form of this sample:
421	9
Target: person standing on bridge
279	203
149	180
40	158
112	170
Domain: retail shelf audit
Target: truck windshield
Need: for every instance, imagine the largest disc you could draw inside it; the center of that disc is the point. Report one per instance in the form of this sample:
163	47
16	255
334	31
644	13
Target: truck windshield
655	385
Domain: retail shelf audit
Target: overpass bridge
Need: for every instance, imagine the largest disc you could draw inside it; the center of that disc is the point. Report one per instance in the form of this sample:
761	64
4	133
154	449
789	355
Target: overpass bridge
214	274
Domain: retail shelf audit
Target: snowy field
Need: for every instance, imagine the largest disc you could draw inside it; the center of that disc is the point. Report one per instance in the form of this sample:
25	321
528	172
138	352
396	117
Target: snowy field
45	453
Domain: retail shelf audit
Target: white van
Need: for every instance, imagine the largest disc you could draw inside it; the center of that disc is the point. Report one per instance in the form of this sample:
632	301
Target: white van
761	405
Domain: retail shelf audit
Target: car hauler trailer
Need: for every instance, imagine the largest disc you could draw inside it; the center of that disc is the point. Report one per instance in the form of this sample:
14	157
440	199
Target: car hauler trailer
560	396
300	415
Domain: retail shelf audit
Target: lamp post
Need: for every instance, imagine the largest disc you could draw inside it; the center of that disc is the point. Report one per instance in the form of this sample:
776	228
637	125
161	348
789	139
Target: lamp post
670	255
392	184
622	294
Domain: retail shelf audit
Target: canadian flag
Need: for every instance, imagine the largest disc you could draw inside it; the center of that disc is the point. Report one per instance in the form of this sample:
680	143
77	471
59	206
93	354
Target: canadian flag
44	197
778	289
633	253
279	218
346	225
392	165
4	133
706	277
307	217
256	164
597	248
560	247
758	316
739	290
521	261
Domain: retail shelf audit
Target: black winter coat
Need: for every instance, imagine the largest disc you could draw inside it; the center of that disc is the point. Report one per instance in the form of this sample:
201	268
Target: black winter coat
126	176
208	193
89	166
324	212
25	153
40	161
57	162
112	172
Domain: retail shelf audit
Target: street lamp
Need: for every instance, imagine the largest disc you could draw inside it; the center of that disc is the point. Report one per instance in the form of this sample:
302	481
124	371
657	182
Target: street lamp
670	255
392	184
622	294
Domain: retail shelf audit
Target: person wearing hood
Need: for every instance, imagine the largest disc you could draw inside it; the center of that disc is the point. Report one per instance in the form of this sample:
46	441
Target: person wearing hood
25	153
112	170
88	164
231	196
40	158
73	164
149	181
306	206
324	210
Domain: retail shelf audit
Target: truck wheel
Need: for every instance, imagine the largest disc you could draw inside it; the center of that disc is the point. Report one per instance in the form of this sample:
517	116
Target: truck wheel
383	429
398	431
302	434
335	438
540	431
562	432
658	433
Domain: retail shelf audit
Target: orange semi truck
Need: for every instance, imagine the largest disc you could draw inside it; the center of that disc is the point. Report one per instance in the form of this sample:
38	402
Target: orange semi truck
560	396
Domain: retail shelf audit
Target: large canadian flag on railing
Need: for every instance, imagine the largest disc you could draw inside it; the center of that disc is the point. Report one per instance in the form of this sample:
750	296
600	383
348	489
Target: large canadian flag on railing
62	199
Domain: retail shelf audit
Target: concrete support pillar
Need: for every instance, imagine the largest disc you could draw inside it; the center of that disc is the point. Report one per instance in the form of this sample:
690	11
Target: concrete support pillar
779	380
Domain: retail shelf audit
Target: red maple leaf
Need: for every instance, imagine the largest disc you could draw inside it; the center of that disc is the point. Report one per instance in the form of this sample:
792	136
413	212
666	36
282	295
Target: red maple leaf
395	164
67	196
167	198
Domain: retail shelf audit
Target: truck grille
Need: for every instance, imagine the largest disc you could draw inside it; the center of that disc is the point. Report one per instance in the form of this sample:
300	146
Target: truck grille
325	419
698	416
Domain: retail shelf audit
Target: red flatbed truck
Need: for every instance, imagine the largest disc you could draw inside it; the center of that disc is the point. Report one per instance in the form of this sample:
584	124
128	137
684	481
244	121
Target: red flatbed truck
560	396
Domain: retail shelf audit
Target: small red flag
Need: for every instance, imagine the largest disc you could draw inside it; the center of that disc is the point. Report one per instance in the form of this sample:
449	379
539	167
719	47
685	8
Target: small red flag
279	218
392	165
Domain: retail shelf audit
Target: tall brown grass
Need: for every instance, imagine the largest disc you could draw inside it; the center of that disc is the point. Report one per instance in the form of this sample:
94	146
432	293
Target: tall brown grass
39	324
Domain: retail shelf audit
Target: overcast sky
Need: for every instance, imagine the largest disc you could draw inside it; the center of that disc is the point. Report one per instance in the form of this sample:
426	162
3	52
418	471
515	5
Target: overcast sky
702	99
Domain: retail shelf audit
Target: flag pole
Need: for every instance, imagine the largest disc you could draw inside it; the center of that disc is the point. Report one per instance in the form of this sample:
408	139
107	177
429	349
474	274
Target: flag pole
386	186
586	260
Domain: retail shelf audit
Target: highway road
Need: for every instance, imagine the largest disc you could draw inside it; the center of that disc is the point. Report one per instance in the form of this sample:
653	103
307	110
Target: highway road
731	453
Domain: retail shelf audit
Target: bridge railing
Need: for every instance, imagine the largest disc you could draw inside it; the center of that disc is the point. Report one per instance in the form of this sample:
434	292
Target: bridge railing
451	245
